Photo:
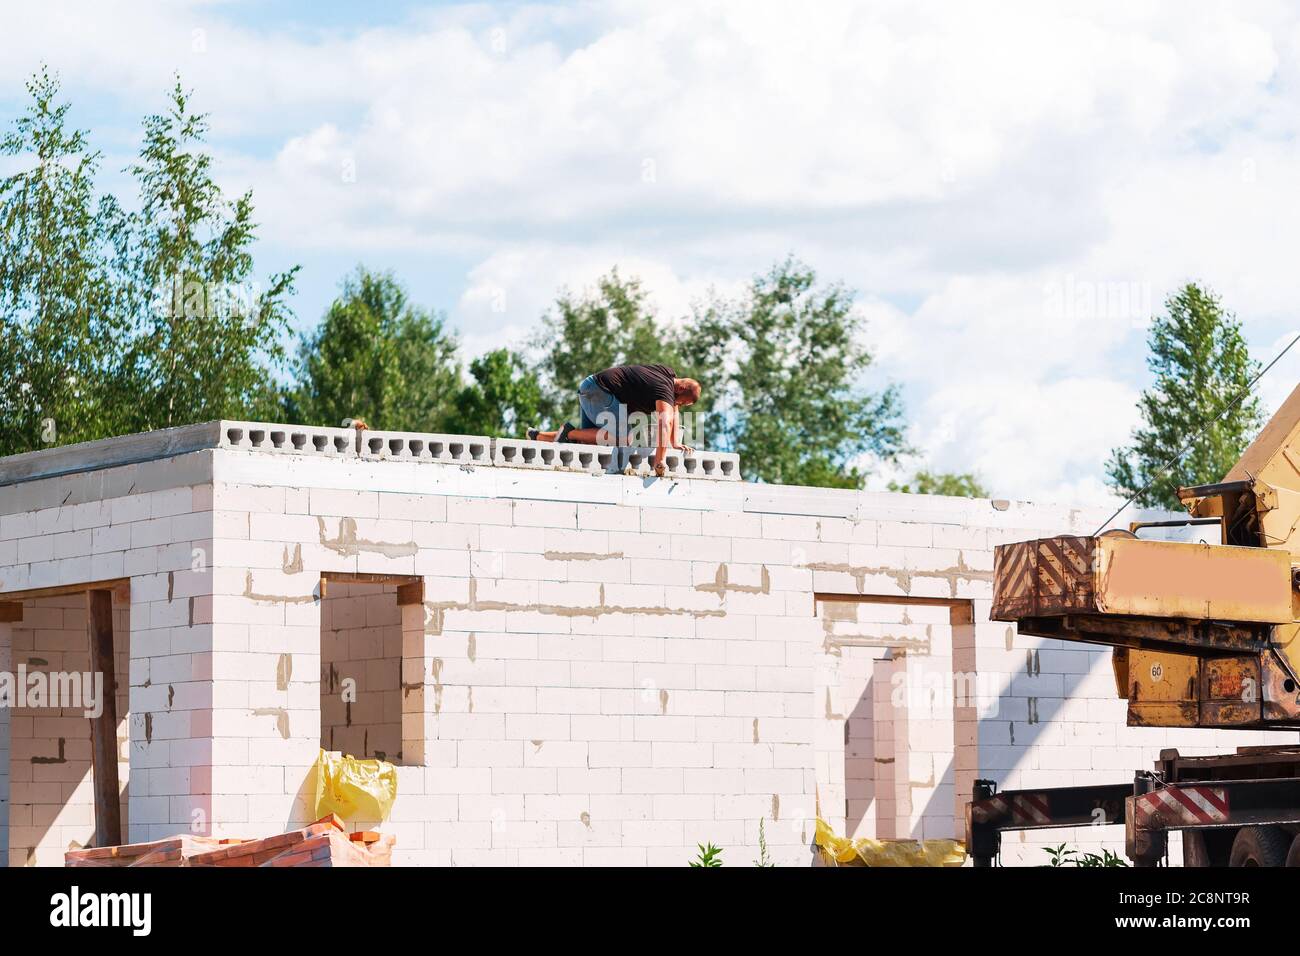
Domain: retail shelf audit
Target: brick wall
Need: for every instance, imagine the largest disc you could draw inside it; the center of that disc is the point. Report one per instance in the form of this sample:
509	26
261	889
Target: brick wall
51	806
613	675
6	664
150	523
604	669
361	670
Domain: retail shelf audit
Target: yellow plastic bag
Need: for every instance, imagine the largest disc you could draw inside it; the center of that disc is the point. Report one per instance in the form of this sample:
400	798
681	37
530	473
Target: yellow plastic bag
841	851
353	788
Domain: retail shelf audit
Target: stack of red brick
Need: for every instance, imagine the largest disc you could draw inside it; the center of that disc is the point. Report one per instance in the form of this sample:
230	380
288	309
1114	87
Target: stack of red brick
325	843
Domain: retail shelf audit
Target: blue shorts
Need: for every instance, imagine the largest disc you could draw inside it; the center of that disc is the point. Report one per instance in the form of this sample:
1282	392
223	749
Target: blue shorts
599	408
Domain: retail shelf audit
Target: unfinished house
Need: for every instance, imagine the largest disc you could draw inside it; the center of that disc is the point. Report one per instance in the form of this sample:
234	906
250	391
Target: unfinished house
569	662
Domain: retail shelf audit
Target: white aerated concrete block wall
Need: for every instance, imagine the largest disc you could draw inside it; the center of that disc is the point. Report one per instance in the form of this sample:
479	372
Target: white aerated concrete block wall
605	669
619	668
167	535
150	525
266	640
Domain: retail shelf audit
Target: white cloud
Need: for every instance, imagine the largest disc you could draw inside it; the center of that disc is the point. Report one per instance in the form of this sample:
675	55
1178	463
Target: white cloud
1019	433
1013	192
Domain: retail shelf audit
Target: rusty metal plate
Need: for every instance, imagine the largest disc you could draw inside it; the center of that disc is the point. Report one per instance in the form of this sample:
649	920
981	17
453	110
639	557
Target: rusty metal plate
1046	577
1230	678
1160	714
1230	691
1162	677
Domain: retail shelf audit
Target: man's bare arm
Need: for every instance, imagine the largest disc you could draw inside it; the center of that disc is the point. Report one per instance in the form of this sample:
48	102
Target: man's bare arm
665	426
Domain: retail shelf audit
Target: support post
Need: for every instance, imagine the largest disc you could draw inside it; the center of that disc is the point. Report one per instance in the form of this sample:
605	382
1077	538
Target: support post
1143	845
983	839
103	729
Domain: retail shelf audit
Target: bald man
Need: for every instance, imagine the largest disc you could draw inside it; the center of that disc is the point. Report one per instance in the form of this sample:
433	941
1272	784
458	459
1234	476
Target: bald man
607	398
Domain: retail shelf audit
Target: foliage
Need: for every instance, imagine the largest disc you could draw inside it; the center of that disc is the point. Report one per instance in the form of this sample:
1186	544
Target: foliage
502	399
709	856
926	482
1201	365
59	331
1064	855
112	322
377	357
207	336
764	858
784	362
584	334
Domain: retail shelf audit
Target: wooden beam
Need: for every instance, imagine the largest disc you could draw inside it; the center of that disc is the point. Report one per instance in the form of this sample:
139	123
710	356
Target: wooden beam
410	587
368	577
961	611
11	612
103	729
410	593
891	599
62	589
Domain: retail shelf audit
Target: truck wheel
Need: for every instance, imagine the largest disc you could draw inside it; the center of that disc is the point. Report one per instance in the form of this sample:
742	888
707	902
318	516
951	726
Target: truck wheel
1293	855
1260	846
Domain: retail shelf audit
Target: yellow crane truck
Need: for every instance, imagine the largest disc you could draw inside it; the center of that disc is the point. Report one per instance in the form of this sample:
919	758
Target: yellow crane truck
1203	635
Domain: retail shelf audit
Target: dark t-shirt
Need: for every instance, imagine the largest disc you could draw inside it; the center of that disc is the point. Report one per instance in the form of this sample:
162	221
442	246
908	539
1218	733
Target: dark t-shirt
639	386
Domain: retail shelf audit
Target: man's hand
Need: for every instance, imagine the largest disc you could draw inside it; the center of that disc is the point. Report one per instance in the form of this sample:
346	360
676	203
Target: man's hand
657	462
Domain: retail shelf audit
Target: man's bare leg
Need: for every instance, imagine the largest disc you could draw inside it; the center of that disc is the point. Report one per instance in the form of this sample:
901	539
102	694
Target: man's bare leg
589	436
580	436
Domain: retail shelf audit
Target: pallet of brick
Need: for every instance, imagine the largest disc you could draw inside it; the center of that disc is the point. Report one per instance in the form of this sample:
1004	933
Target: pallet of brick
169	852
303	849
325	843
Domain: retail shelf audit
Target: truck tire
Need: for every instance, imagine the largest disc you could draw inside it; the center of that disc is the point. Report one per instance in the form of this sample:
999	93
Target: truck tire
1260	846
1293	855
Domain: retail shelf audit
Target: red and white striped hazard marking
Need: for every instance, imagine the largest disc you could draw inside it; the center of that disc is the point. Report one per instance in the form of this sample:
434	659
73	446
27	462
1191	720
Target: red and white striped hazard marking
1172	806
1023	808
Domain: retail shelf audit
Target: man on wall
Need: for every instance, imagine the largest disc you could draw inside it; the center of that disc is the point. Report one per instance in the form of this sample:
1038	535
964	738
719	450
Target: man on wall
608	398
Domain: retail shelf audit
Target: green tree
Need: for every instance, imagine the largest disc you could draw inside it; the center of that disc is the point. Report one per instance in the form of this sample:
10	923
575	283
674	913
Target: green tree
378	357
1201	365
588	333
502	399
925	482
208	335
785	362
59	328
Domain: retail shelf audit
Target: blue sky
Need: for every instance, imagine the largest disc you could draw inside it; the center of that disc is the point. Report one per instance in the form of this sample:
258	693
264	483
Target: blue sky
1012	193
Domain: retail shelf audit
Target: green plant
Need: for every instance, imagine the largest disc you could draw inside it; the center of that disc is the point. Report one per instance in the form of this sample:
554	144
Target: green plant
1202	367
784	367
708	856
764	859
377	356
1064	855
